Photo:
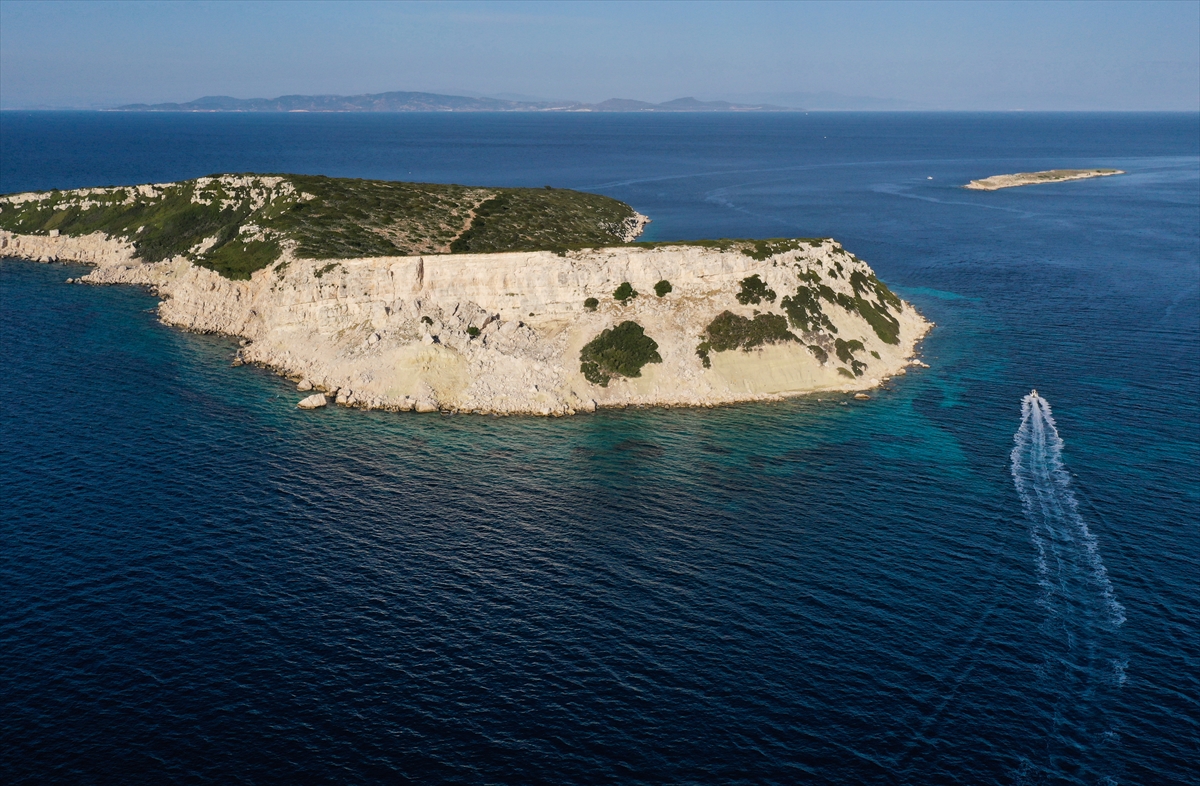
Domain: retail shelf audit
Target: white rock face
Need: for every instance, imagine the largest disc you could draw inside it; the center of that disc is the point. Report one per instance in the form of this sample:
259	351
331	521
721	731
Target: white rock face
395	332
314	401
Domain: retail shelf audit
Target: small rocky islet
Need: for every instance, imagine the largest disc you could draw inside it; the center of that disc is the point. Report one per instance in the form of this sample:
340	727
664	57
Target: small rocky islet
428	297
997	182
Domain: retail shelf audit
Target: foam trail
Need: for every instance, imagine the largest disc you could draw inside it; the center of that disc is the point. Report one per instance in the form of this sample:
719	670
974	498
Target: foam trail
1082	666
1057	529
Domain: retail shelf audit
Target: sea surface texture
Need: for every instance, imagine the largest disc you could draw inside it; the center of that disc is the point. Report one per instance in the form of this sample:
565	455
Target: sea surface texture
949	583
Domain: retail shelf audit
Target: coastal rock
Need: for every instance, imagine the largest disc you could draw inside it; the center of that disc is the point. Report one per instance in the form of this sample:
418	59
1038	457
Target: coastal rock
314	401
304	385
313	321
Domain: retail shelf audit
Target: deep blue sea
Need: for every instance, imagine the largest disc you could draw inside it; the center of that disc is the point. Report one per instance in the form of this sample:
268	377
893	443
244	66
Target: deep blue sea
201	584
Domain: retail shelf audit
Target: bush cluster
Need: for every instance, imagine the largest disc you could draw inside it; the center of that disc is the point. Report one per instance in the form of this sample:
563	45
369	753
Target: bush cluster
618	352
662	288
755	249
804	310
754	290
731	331
625	292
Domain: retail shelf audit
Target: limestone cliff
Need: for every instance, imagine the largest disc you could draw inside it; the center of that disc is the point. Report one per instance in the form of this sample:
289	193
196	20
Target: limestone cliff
504	332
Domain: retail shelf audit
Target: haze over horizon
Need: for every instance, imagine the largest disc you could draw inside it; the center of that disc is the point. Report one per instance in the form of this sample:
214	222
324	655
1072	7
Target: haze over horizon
937	56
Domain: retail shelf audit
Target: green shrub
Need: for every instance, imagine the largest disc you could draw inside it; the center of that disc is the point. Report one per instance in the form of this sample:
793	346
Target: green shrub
662	288
427	320
804	311
845	373
804	308
754	290
755	249
473	331
625	292
618	352
731	331
846	349
591	304
764	249
865	283
885	325
819	353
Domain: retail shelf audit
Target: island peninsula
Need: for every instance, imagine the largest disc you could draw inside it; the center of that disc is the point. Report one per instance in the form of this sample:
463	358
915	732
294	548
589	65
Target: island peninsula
427	297
997	182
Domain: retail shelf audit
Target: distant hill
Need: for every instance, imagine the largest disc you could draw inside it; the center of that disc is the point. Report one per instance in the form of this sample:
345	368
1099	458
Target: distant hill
434	102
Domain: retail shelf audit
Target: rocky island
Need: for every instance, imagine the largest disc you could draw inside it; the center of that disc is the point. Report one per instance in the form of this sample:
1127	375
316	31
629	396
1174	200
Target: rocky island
996	182
427	297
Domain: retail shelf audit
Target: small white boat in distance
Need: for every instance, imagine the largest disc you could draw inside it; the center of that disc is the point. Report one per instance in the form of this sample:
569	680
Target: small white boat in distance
1033	393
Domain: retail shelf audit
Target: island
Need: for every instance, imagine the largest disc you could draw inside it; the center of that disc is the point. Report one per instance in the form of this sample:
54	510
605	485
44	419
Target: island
996	182
432	297
399	101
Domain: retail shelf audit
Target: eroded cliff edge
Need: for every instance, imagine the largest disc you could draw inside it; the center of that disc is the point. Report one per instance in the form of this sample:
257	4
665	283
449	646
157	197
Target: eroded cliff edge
504	332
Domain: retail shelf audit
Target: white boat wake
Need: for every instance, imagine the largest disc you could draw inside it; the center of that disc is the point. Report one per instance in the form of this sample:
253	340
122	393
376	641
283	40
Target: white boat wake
1059	533
1082	667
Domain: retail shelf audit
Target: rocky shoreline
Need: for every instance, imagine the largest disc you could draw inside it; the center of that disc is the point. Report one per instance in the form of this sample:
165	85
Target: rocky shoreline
502	333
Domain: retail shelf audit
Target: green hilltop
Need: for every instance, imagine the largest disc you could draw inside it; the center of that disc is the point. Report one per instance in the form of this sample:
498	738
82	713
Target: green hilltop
237	224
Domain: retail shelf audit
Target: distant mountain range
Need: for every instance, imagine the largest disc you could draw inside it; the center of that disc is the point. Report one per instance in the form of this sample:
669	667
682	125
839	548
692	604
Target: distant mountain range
434	102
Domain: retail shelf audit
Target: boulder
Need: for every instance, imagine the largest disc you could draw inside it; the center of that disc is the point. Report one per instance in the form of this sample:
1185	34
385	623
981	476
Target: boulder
304	385
862	397
314	401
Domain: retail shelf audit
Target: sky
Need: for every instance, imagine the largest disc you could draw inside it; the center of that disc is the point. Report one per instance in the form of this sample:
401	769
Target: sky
920	55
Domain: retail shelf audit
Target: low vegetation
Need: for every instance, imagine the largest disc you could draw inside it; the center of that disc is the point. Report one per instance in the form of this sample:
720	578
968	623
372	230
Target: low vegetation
845	352
662	288
872	300
621	351
804	312
237	224
755	249
591	304
845	349
625	292
755	291
731	331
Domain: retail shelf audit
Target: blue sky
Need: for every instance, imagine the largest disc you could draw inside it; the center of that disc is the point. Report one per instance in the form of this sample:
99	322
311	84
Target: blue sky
941	55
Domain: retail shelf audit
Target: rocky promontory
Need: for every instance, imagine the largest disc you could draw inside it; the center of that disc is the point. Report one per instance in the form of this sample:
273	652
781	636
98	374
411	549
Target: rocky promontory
537	331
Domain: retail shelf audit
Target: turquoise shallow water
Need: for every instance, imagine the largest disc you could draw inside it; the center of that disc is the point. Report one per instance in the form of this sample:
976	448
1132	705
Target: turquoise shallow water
204	584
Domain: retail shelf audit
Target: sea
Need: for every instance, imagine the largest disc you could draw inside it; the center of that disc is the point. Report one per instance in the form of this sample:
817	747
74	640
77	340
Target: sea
953	582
